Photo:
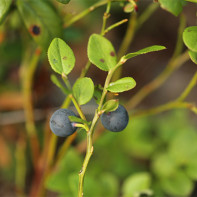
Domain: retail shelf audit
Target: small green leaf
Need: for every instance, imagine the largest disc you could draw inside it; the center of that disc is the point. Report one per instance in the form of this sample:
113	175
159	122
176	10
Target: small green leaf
63	1
101	52
121	85
4	8
61	57
193	56
78	120
136	184
83	90
173	6
97	93
128	8
110	105
41	20
190	38
177	185
144	51
56	81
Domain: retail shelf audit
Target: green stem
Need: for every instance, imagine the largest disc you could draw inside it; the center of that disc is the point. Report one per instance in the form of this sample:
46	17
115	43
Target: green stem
105	17
28	70
158	81
87	11
188	89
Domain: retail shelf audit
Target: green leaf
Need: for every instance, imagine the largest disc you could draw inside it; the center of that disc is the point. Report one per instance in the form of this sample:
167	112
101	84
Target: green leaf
110	105
61	57
101	52
190	38
97	93
83	90
128	8
4	8
191	170
121	85
163	165
41	20
144	51
193	56
56	81
63	1
177	185
136	184
173	6
78	120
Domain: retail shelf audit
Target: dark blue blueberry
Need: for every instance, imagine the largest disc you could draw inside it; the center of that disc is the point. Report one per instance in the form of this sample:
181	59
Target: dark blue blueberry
116	120
60	124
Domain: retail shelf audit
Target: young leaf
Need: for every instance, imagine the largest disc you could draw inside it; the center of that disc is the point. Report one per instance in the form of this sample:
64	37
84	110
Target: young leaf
83	90
110	105
193	56
4	8
78	120
122	85
61	57
63	1
143	51
97	93
190	38
56	81
41	20
173	6
101	52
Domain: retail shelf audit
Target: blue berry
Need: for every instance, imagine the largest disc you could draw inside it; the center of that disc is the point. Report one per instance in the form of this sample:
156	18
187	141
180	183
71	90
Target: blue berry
60	124
116	120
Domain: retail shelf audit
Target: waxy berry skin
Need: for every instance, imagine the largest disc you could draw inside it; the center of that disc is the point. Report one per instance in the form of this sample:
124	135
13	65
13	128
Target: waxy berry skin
60	124
116	120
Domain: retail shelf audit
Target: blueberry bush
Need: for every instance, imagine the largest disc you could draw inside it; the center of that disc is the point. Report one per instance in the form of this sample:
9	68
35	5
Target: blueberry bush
66	150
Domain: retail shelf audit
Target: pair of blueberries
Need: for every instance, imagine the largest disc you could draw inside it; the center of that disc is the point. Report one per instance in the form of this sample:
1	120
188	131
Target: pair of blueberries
114	121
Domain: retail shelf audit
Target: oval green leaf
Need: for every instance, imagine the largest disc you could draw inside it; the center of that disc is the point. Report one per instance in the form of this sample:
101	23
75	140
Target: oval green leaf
136	184
78	120
193	56
61	57
41	20
63	1
143	51
177	185
101	52
110	105
121	85
173	6
190	38
4	8
83	90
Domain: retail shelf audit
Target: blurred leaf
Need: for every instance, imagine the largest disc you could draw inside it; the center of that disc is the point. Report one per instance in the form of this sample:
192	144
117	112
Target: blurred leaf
56	81
138	138
109	184
63	1
173	6
163	165
4	8
41	20
183	148
73	180
193	56
190	38
110	105
177	185
193	1
58	180
61	57
101	52
191	169
136	184
144	51
121	85
83	90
